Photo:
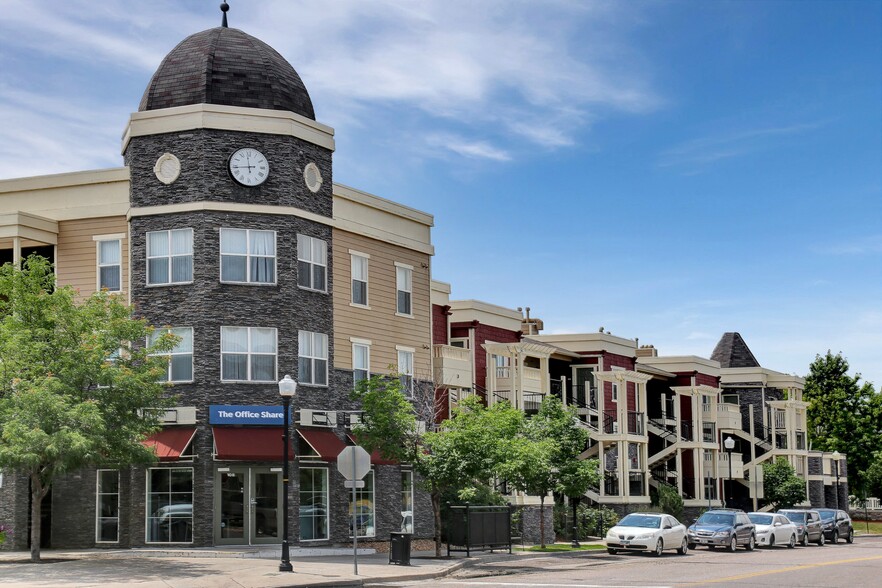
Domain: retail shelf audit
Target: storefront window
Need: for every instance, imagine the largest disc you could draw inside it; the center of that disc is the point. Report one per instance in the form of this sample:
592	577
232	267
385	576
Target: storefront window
170	505
406	501
107	508
313	504
364	508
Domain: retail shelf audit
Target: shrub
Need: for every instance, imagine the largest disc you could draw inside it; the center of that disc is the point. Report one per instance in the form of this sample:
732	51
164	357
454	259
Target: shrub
589	520
669	501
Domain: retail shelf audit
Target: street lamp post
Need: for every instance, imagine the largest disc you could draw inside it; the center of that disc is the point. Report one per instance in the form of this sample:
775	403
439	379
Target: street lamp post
287	389
729	444
836	457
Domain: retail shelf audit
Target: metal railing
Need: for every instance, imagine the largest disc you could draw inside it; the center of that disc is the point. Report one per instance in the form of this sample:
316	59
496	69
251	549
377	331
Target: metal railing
635	423
665	431
800	440
532	402
686	430
478	528
636	485
611	484
688	488
708	432
610	425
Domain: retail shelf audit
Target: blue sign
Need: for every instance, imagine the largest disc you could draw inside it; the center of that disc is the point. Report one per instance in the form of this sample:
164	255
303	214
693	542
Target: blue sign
246	415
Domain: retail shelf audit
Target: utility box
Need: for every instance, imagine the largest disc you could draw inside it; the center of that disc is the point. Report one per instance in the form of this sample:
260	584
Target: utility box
399	548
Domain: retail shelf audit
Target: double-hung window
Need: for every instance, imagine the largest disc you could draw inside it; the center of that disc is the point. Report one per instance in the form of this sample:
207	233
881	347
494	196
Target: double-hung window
405	370
248	354
361	361
170	257
404	287
312	352
359	278
248	256
312	263
110	265
180	358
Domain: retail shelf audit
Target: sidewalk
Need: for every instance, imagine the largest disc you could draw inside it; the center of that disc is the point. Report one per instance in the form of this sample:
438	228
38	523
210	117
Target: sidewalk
210	568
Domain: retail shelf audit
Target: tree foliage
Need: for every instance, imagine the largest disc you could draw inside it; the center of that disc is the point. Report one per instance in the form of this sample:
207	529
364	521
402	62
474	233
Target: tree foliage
844	414
781	486
69	397
873	477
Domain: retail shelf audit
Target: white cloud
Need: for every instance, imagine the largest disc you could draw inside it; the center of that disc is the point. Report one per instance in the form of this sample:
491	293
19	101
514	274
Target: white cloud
869	245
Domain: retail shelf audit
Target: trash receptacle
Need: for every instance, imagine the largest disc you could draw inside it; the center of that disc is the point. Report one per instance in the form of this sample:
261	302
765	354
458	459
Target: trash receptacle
399	548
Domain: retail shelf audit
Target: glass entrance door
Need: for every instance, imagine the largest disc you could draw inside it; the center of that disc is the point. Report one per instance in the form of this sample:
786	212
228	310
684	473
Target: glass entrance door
248	506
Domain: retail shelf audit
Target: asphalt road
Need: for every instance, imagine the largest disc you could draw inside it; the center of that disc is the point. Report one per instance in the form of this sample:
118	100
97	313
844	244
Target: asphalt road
852	566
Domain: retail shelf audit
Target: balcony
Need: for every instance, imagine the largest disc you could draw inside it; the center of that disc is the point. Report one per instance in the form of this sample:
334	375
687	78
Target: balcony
708	432
635	423
728	416
453	366
737	466
531	378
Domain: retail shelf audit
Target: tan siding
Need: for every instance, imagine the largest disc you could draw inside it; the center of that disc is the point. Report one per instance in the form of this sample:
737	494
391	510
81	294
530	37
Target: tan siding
380	325
77	258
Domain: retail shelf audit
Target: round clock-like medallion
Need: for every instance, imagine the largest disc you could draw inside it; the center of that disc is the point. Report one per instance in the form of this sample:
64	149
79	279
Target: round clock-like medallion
167	168
313	177
249	167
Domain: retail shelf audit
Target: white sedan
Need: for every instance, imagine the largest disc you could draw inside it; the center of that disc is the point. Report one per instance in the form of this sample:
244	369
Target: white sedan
653	532
773	529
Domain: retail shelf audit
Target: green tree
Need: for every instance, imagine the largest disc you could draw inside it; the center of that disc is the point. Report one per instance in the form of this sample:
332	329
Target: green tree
873	477
844	414
781	486
528	466
69	397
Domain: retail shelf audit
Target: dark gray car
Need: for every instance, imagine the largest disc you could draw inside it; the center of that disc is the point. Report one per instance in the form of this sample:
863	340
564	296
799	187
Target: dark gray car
724	527
837	525
808	525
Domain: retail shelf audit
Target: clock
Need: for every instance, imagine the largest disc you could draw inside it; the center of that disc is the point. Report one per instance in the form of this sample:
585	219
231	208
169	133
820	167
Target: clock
249	167
167	168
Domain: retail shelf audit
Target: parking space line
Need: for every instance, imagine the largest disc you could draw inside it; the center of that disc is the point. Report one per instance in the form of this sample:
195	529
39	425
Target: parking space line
495	582
781	570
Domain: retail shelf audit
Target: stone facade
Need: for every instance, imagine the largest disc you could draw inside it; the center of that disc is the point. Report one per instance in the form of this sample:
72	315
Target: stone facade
530	523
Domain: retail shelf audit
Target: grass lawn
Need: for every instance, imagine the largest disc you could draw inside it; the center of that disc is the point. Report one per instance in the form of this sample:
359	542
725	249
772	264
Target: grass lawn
860	527
558	547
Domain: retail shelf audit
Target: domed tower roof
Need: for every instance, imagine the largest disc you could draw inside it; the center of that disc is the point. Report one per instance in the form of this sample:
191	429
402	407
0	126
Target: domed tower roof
226	66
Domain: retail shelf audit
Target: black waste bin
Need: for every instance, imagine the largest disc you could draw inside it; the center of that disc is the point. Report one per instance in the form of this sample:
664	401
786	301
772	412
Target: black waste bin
399	548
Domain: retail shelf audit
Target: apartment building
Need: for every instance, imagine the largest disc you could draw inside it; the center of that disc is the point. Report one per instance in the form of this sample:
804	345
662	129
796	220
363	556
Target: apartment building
225	226
653	419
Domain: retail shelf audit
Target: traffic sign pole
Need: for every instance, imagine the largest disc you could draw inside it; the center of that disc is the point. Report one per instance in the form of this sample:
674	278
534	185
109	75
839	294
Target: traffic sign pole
354	529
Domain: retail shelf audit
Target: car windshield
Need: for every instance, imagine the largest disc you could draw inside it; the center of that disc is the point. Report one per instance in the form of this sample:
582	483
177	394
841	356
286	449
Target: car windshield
760	519
636	520
796	517
713	518
827	514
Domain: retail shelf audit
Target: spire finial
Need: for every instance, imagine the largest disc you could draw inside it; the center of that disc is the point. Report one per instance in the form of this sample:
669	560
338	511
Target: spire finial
224	8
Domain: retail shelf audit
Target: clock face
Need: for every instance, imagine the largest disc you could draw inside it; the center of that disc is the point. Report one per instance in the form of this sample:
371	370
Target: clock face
249	167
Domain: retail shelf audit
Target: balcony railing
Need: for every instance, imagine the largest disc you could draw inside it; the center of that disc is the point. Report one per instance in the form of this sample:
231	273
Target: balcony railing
610	425
611	484
781	440
688	487
669	407
708	432
532	402
635	423
728	416
453	366
800	440
686	430
636	485
556	388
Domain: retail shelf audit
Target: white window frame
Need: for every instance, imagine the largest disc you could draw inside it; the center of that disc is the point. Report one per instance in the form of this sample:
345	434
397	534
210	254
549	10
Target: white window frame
320	344
403	285
366	344
174	351
98	495
248	353
147	507
404	352
361	258
404	493
249	256
99	239
170	256
327	502
313	243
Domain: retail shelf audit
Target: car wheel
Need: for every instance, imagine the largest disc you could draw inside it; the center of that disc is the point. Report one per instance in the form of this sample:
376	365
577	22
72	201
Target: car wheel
659	548
805	539
751	544
835	539
792	542
850	537
733	544
611	551
822	540
691	545
684	547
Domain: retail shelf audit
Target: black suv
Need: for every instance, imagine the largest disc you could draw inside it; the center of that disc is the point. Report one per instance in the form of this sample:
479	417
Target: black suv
808	525
724	527
836	524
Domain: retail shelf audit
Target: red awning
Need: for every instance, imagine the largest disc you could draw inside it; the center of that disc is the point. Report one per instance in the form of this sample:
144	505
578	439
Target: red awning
325	443
250	443
169	444
375	454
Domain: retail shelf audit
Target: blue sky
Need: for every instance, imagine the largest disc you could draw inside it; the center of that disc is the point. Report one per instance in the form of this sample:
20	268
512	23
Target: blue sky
667	170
